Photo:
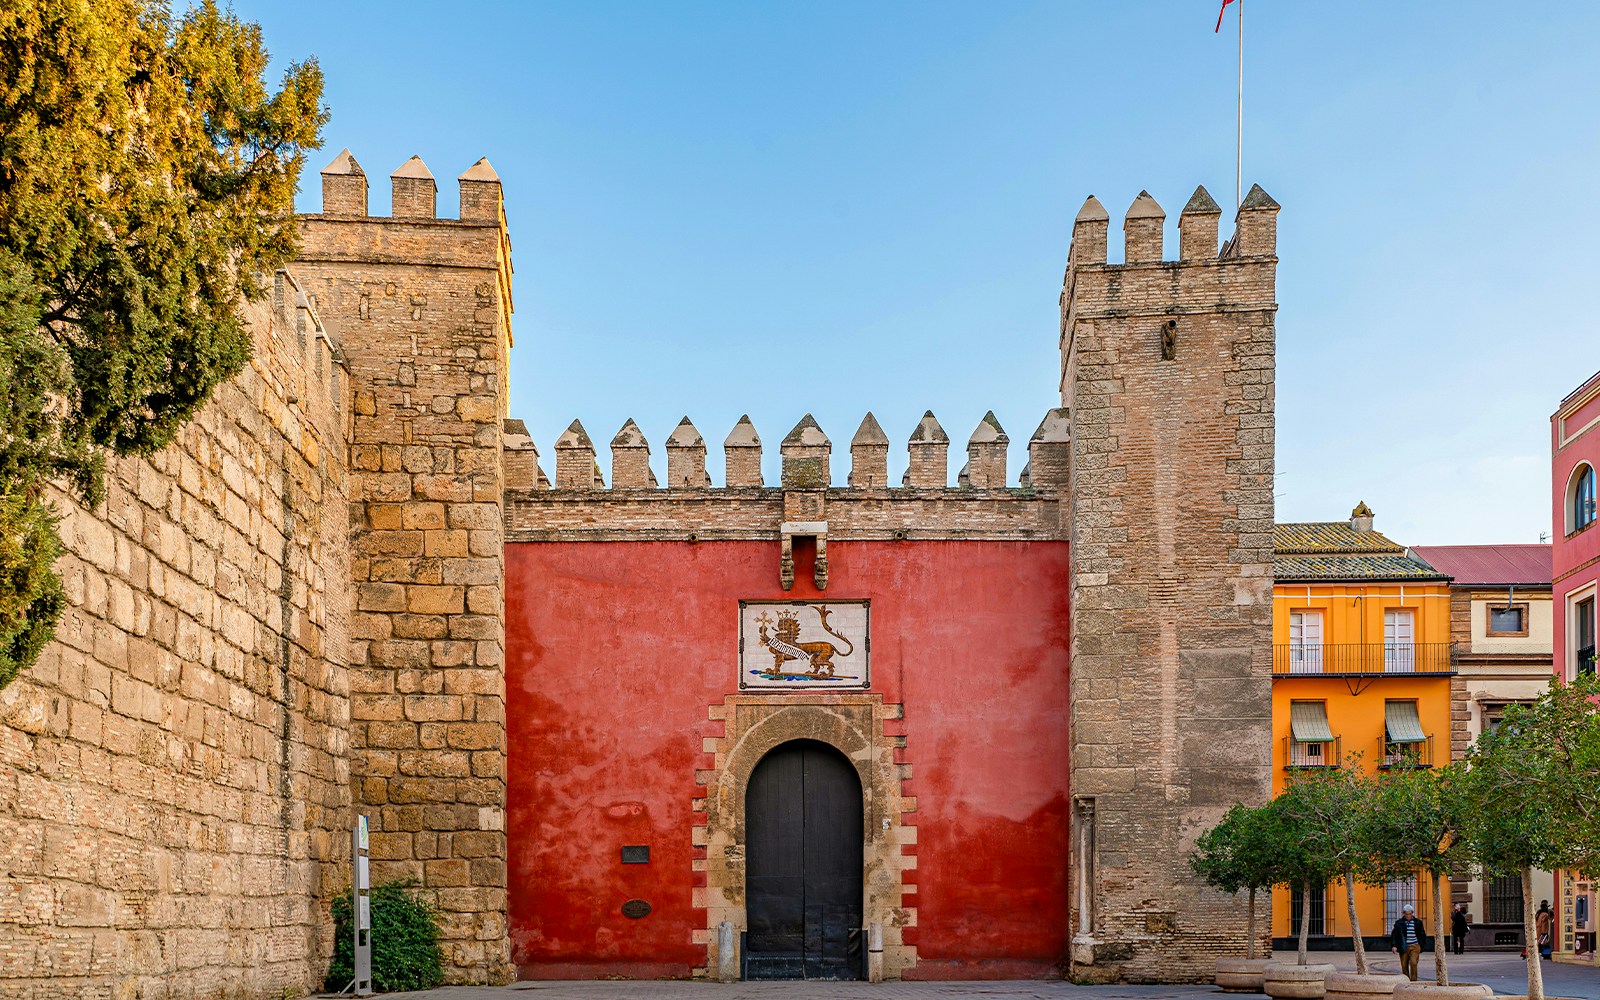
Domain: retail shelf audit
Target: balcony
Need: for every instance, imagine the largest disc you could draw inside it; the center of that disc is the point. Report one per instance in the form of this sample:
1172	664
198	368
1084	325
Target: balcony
1300	753
1393	754
1362	659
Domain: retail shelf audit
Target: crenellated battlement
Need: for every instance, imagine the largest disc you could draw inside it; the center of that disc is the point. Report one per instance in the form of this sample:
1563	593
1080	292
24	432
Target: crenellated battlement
1255	232
414	193
806	456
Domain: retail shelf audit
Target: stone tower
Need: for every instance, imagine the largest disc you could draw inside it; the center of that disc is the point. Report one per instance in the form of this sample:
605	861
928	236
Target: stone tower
1167	373
423	306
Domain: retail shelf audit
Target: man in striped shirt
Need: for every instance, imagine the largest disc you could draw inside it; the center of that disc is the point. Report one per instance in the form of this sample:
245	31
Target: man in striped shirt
1405	940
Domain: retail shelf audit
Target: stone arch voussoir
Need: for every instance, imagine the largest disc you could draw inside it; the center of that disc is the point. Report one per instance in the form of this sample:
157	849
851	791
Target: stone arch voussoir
855	725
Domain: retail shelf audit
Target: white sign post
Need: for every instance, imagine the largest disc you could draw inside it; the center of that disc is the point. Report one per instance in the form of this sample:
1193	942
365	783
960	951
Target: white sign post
361	882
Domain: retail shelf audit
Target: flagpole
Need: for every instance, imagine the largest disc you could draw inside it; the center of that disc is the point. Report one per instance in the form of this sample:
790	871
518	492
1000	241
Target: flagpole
1238	169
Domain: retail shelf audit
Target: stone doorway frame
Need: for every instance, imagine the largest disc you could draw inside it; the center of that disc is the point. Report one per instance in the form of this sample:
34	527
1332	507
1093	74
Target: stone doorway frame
863	728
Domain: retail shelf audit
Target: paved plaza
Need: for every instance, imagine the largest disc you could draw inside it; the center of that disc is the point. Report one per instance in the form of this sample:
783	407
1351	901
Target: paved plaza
1504	972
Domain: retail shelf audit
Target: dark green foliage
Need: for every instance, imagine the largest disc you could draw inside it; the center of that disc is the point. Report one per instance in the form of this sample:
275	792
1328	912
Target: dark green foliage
1414	822
1240	852
1532	793
1533	784
405	941
30	591
147	179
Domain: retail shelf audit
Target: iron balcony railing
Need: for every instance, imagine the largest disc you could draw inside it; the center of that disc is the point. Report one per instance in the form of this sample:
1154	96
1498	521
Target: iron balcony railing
1347	658
1300	754
1586	660
1420	754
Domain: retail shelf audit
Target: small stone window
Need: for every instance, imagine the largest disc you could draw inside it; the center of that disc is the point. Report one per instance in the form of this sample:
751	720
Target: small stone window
1508	620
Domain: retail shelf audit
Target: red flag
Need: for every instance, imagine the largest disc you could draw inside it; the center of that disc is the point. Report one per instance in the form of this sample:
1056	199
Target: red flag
1221	12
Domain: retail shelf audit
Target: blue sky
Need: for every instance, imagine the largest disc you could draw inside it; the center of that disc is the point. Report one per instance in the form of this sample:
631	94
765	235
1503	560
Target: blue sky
776	208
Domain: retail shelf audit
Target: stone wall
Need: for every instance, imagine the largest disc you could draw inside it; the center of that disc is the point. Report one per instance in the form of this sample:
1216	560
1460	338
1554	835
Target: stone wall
173	773
423	308
1168	379
291	615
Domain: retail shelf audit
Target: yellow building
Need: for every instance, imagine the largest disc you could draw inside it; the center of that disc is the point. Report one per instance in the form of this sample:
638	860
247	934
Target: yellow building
1360	678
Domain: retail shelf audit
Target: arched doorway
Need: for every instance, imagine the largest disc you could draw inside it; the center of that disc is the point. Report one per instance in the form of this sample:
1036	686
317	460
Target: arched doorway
803	849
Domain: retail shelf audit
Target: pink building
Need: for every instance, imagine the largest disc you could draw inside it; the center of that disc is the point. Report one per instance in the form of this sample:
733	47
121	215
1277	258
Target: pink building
1575	566
1575	554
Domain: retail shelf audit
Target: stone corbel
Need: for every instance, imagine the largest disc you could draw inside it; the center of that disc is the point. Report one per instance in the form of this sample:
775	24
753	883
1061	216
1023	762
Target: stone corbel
790	530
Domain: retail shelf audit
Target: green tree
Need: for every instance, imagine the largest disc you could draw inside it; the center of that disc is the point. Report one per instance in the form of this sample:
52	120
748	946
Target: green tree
1532	792
147	177
1326	805
1241	854
1298	865
1414	822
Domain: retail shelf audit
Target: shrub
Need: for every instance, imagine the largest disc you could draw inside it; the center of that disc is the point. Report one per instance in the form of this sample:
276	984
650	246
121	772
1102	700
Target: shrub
405	941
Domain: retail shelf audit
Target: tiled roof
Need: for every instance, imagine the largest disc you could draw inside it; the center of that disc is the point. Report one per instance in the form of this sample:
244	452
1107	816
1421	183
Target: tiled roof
1491	565
1328	536
1333	550
1353	567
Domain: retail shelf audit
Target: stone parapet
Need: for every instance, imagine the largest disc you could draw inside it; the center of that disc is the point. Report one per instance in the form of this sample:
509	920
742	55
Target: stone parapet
758	514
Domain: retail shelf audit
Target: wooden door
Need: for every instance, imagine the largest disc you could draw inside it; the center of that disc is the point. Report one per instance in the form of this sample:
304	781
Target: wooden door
803	846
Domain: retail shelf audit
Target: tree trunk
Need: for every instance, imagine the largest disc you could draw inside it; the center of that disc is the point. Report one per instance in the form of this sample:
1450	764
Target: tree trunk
1535	973
1305	920
1441	964
1355	922
1250	949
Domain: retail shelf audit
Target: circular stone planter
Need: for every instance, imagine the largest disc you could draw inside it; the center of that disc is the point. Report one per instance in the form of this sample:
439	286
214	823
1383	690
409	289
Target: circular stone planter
1242	975
1297	982
1355	986
1433	991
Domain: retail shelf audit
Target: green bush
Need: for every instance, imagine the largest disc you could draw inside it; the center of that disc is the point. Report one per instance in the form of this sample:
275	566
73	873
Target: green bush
405	941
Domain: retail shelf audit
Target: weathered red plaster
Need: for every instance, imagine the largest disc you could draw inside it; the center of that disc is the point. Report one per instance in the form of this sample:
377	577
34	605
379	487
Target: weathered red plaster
615	651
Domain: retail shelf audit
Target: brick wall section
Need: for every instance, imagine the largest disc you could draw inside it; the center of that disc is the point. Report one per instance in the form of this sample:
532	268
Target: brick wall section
423	309
1461	639
173	773
1171	516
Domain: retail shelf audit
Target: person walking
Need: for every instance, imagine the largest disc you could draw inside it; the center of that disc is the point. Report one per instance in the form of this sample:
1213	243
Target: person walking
1544	925
1405	940
1460	923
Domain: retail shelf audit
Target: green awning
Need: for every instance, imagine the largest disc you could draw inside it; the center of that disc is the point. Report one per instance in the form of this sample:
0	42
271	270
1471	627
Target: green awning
1308	720
1401	720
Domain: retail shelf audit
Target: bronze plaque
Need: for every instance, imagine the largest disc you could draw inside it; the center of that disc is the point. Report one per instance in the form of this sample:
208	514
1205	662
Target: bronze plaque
635	909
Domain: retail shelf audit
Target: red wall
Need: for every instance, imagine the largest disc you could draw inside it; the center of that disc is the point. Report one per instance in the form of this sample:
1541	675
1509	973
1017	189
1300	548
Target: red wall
1574	558
615	651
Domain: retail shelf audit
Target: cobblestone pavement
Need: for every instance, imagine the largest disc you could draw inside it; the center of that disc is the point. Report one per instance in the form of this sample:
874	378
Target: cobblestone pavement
1505	973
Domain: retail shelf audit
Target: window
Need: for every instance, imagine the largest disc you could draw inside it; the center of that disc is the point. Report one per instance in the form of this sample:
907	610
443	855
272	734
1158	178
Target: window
1399	645
1311	742
1508	620
1505	900
1580	499
1396	895
1319	911
1494	713
1305	642
1403	738
1583	636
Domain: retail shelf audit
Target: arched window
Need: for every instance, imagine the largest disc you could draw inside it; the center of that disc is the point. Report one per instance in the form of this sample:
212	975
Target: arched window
1581	498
